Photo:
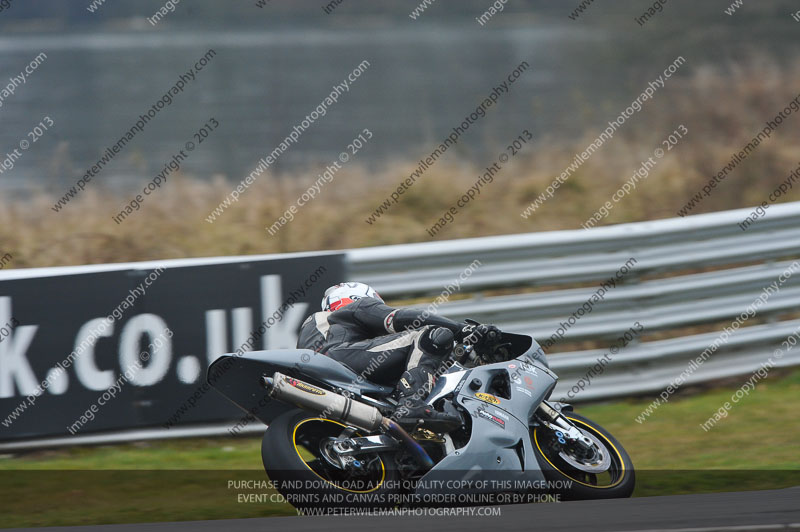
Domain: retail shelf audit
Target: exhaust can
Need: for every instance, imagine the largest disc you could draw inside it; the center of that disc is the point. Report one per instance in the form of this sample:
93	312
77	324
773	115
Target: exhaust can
323	402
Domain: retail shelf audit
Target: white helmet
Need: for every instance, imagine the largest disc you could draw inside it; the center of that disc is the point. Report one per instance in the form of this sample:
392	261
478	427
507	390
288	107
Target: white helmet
342	294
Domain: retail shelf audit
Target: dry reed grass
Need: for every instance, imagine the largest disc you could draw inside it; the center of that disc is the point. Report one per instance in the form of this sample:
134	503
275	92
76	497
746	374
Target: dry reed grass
723	107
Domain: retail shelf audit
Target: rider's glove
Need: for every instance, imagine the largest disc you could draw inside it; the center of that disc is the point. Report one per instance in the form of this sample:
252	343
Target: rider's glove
466	330
483	336
490	336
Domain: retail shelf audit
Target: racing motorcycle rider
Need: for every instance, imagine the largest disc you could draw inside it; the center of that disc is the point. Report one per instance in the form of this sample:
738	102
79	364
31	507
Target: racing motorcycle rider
393	347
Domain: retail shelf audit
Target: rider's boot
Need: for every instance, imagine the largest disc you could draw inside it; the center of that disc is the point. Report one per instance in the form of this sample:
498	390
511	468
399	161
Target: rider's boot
416	383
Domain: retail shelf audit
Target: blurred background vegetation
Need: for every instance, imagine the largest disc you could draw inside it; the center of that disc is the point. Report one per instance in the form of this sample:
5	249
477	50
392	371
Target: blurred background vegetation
276	63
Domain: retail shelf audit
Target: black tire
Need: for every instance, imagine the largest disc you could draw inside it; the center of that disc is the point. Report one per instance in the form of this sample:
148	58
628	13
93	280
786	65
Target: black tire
573	484
311	482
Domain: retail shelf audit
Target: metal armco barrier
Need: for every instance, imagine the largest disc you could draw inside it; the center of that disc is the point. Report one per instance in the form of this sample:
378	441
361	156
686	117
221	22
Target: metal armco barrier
697	271
658	292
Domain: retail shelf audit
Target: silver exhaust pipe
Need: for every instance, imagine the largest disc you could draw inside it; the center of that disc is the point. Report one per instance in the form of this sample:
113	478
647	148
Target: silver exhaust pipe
328	404
337	407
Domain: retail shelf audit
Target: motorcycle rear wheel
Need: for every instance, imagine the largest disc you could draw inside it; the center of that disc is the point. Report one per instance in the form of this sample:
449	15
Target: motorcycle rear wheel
293	457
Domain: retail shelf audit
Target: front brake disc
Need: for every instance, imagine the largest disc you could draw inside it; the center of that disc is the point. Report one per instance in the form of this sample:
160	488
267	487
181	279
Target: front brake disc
598	462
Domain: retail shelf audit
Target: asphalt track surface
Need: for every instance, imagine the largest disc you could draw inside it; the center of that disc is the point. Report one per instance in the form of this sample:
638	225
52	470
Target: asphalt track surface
737	511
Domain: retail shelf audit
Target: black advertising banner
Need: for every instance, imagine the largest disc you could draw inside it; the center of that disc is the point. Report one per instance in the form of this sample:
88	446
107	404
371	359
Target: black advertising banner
92	352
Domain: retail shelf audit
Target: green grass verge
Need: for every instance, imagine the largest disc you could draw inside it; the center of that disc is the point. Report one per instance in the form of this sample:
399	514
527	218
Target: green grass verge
753	448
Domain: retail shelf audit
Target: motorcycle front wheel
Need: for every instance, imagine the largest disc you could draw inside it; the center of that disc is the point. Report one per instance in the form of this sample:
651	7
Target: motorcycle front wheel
298	459
606	473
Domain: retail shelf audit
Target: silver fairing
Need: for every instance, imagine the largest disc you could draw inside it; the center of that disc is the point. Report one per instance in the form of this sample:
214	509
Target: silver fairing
500	446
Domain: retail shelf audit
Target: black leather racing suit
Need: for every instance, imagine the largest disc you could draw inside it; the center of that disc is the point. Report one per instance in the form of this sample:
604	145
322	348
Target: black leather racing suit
377	341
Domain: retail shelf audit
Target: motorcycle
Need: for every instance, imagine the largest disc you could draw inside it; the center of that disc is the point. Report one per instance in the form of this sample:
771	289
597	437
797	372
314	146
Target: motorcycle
331	441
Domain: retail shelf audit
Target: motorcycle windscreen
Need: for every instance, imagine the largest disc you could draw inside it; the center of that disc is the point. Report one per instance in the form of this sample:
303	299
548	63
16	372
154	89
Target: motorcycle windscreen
521	344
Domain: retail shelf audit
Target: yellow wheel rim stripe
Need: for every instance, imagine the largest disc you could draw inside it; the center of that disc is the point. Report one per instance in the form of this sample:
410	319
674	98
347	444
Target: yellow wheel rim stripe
598	434
294	442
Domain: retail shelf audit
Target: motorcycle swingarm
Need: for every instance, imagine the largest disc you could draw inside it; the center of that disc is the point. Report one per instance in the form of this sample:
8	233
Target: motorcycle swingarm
367	444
